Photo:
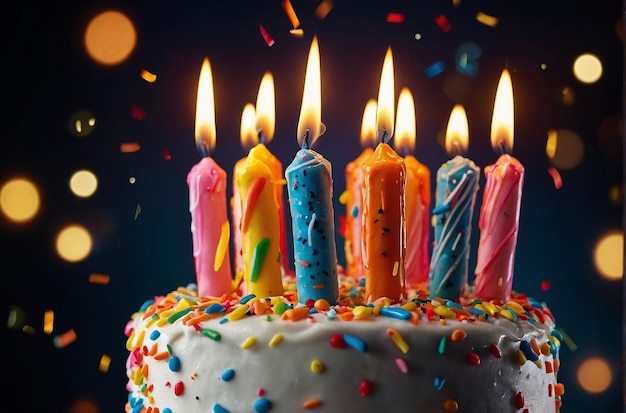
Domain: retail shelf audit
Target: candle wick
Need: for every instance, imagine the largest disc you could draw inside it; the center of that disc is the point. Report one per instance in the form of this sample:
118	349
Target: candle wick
261	136
502	146
405	151
203	148
305	141
457	148
383	137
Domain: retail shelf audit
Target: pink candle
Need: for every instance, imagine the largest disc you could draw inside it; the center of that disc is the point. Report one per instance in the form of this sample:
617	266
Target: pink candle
499	213
207	200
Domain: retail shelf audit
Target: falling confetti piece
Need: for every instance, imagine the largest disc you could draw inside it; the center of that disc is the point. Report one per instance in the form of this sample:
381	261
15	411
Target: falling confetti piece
291	13
435	69
568	340
486	19
16	317
166	154
129	147
395	18
556	177
443	23
148	76
137	113
323	9
545	285
266	36
96	278
297	32
48	321
137	211
65	339
28	329
105	362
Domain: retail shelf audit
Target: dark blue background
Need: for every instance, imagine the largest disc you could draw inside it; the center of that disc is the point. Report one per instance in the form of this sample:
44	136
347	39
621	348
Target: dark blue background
46	77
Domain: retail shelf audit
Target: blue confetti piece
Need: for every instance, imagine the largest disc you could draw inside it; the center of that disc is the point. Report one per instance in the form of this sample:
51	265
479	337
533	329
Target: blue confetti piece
355	343
174	363
355	211
435	69
439	382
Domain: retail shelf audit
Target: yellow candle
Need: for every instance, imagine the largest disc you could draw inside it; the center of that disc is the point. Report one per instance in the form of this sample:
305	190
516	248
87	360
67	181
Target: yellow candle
259	226
384	175
417	195
354	192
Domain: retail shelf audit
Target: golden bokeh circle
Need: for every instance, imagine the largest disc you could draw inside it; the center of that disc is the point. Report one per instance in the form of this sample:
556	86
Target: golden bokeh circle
110	38
594	375
73	243
19	200
609	255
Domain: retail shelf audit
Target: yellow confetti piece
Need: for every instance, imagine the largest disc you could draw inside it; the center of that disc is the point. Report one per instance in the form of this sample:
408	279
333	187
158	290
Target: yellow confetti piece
148	76
129	147
486	19
239	312
567	340
275	340
137	211
396	266
398	340
222	246
16	317
291	13
48	321
323	9
28	329
317	366
249	342
343	198
95	278
297	32
65	339
105	362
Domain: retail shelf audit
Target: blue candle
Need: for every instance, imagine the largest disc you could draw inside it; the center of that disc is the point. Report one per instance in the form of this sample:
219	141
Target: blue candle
457	183
309	184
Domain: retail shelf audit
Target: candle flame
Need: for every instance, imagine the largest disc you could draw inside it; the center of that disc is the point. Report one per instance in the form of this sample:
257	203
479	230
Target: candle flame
385	110
265	108
205	111
368	125
404	139
310	111
249	135
457	133
502	121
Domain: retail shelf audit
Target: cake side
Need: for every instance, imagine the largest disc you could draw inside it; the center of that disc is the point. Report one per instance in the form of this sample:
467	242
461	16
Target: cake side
232	354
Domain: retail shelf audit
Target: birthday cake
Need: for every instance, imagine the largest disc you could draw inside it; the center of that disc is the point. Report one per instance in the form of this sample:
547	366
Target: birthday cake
392	335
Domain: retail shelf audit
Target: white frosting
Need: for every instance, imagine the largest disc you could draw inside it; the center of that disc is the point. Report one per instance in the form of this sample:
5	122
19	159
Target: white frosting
283	373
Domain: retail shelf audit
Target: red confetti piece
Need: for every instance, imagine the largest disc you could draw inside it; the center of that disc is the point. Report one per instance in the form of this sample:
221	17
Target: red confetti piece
365	388
472	358
443	23
519	400
545	285
337	341
137	113
166	154
342	225
266	36
556	177
395	18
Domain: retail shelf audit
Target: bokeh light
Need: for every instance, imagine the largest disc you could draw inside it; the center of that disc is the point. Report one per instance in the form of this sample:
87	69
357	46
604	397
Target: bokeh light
83	183
564	148
587	68
83	405
609	255
81	123
73	243
19	200
567	96
594	375
110	38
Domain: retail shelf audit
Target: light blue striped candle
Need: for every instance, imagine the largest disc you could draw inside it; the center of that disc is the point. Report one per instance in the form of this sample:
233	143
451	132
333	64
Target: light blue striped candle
457	183
309	184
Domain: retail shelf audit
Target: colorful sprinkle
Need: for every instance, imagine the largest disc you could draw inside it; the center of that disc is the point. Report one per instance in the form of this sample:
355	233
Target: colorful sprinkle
458	335
218	409
258	257
495	350
222	246
472	358
311	403
212	334
238	312
355	343
395	312
337	341
179	388
442	345
401	364
365	388
227	375
262	405
249	342
526	348
317	366
174	363
439	382
519	400
398	340
275	340
451	405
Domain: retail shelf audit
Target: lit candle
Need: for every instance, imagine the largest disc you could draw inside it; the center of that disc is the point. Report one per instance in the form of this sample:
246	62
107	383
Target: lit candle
249	138
499	214
354	192
309	185
457	184
384	176
207	200
417	194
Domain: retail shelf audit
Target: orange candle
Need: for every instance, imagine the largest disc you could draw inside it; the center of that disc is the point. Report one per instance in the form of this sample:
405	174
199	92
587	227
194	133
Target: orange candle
499	213
354	192
384	175
417	195
207	200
